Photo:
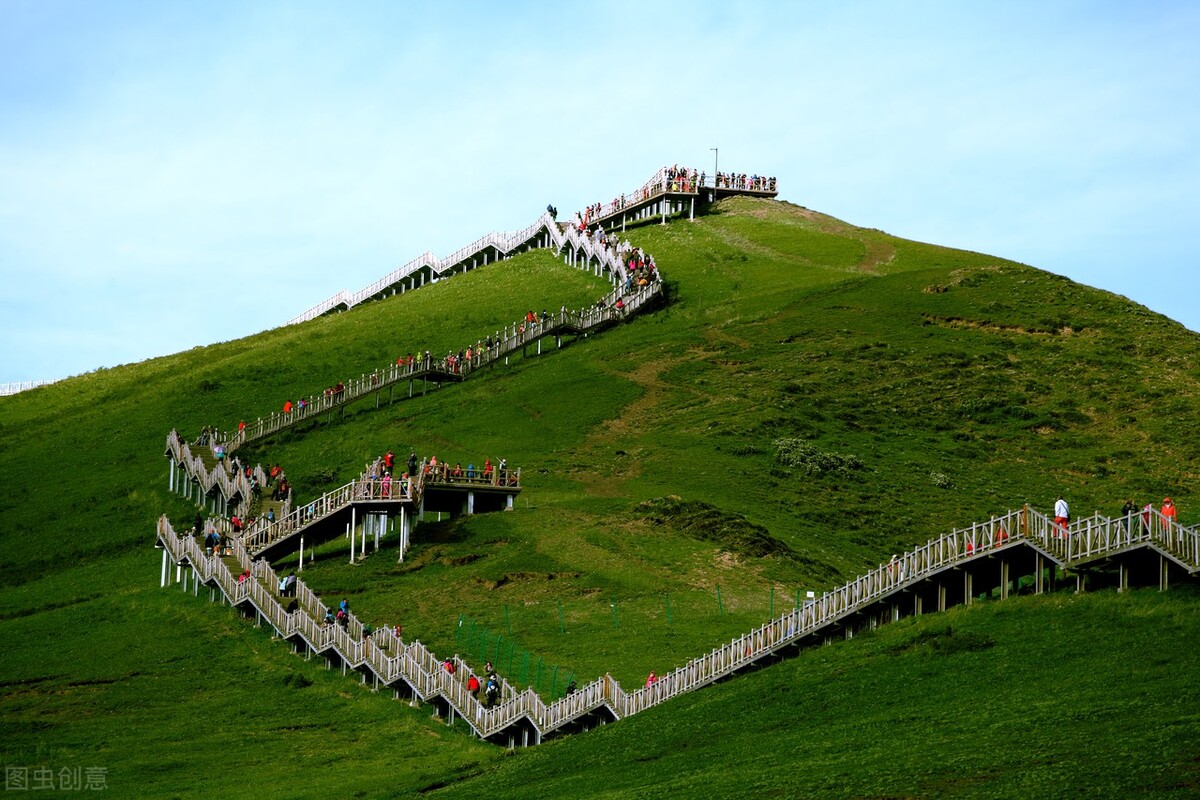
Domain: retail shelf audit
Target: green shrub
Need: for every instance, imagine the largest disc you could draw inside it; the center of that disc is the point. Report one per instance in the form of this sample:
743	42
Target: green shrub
799	454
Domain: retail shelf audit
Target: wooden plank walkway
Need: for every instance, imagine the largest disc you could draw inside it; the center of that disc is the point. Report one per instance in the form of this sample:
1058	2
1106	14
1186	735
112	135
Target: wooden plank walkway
990	558
987	558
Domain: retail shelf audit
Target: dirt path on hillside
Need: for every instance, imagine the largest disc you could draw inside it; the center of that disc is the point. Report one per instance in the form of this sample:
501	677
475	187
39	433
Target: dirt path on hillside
603	446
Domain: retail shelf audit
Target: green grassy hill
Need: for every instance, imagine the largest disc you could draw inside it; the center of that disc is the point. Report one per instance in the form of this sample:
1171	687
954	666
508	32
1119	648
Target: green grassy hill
815	397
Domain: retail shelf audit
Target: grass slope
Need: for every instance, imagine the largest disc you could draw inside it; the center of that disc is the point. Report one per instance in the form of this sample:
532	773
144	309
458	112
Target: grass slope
1056	696
913	388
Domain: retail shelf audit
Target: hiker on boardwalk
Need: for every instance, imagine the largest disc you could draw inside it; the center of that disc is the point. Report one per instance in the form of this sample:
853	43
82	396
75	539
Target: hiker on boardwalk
651	679
473	686
1062	516
1168	511
1128	509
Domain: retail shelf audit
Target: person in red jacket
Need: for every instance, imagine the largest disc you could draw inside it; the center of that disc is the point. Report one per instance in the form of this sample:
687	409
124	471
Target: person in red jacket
1168	510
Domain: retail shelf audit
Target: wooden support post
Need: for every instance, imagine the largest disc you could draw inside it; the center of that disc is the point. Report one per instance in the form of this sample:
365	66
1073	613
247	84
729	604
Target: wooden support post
941	601
165	573
1122	578
1039	566
403	534
968	584
1079	582
1003	579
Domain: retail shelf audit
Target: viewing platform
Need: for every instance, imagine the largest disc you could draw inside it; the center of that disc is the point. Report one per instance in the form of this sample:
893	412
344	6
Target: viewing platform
673	191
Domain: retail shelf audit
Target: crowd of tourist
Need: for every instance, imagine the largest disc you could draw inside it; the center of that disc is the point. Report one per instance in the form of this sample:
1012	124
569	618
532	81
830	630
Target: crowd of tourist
381	483
750	183
676	180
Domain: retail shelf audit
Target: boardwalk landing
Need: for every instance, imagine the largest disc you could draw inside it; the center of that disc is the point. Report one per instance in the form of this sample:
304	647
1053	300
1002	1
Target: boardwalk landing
994	558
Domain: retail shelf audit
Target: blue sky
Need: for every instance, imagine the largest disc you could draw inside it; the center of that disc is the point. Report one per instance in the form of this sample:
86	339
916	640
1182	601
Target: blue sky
174	174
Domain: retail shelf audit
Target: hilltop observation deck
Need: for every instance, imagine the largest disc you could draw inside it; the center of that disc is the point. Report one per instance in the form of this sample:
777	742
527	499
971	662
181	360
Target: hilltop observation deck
672	191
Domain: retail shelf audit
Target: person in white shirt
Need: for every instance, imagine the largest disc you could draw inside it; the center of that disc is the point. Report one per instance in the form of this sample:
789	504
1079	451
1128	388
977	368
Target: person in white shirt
1062	515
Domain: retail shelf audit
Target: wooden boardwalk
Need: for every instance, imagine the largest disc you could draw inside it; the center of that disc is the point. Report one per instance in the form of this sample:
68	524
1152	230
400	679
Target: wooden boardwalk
995	558
659	198
195	473
992	558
